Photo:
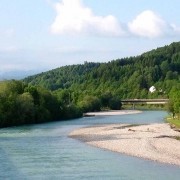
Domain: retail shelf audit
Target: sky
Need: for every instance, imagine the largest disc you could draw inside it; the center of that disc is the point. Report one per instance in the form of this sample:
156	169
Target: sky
39	35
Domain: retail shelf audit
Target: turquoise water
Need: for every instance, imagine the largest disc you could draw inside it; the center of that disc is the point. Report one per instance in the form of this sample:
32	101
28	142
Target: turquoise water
46	152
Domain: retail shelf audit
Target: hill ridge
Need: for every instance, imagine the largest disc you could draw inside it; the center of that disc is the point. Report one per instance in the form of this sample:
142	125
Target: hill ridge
129	77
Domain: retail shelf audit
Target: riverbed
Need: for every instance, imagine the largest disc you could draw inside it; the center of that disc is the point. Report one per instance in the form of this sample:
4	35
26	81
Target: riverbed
46	152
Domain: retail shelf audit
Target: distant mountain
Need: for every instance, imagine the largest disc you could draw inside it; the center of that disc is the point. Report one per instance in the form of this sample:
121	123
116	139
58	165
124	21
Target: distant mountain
16	74
127	77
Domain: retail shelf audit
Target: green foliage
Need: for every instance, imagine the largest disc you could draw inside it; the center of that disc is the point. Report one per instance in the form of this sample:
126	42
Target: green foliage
25	108
71	111
174	101
108	101
25	104
75	89
124	78
174	122
115	103
90	103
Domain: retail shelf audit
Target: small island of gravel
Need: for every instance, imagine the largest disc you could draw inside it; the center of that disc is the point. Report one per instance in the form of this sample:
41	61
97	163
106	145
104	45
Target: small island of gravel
156	142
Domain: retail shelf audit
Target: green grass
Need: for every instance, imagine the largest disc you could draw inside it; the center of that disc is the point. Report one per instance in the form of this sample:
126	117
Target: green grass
174	121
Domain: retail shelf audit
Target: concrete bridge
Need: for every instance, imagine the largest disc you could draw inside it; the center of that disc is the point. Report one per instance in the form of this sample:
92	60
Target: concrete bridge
144	101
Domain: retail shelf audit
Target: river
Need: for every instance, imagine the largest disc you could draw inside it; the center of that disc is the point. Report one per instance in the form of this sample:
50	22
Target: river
46	152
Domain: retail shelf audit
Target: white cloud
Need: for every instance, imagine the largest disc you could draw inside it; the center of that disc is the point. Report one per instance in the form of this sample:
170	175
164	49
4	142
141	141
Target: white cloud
74	18
148	24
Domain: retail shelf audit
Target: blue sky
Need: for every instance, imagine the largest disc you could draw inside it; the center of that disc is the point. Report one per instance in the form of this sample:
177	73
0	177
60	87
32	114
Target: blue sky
44	34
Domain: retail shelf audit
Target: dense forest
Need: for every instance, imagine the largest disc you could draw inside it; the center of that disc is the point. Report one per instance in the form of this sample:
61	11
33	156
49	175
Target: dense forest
123	78
21	103
67	92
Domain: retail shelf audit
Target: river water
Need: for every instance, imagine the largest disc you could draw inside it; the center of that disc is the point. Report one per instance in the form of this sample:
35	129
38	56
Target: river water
46	152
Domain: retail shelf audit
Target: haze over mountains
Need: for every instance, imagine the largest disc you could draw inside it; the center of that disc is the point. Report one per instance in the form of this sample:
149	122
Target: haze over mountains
16	74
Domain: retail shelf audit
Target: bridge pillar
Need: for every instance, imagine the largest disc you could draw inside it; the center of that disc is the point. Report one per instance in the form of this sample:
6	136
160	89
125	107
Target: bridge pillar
133	106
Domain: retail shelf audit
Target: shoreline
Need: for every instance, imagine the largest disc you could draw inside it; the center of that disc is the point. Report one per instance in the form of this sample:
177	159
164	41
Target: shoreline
155	142
112	113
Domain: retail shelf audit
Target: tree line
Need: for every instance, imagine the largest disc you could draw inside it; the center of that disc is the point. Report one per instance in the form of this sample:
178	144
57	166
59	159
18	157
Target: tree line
124	78
67	92
21	104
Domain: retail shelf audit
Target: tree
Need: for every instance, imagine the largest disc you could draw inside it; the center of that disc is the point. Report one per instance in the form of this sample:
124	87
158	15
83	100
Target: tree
115	103
174	102
105	99
164	67
26	104
90	103
26	110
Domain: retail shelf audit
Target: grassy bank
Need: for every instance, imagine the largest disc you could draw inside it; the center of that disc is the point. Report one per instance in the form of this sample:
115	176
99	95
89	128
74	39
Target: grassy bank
175	121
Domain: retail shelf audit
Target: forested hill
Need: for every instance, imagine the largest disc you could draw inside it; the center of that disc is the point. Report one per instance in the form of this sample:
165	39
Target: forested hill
125	78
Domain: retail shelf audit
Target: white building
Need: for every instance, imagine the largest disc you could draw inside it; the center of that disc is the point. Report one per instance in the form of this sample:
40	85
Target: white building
152	89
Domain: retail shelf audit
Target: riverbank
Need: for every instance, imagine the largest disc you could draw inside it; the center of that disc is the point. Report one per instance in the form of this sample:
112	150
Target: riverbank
174	122
156	142
112	113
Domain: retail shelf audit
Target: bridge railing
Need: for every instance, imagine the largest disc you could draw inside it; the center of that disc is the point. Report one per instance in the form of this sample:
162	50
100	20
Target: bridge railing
145	101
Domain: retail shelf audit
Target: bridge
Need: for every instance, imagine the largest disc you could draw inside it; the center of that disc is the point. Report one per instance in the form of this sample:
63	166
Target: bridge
144	101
